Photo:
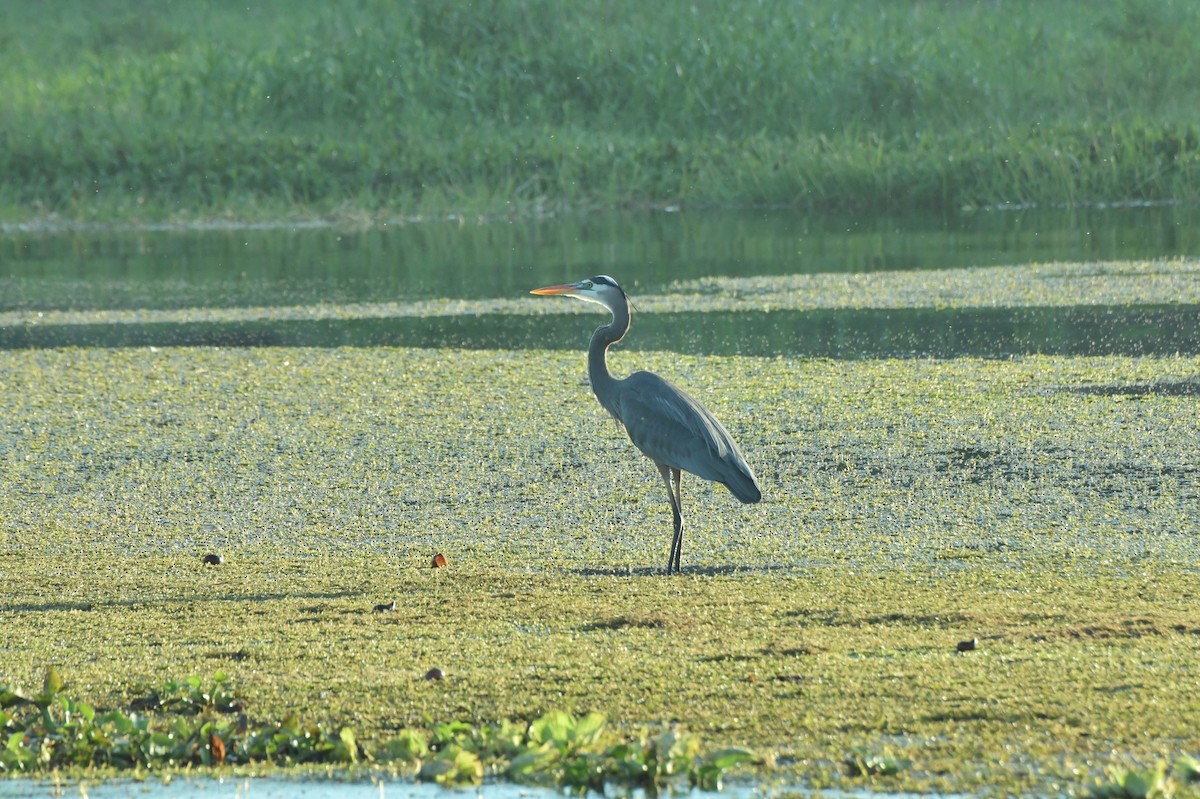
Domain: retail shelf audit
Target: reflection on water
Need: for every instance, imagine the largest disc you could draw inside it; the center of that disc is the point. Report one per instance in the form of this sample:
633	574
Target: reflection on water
839	333
163	269
645	252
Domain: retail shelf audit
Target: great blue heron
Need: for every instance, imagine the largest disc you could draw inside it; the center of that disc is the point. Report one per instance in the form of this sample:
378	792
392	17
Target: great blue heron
664	422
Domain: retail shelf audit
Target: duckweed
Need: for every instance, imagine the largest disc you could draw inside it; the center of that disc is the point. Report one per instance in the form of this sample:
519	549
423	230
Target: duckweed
1044	506
1114	283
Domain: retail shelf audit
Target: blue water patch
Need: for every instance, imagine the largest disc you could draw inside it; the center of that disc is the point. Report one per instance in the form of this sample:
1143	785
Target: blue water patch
284	788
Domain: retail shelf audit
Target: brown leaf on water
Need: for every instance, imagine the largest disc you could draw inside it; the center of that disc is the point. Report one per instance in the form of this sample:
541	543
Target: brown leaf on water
217	747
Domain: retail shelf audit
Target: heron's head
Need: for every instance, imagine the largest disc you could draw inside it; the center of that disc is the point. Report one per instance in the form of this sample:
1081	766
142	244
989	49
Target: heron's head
600	289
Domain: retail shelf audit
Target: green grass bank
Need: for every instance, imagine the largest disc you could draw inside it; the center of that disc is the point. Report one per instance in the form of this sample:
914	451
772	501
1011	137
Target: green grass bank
373	110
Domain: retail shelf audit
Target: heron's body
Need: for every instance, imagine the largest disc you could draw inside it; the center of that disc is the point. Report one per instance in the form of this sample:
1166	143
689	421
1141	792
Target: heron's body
674	430
663	421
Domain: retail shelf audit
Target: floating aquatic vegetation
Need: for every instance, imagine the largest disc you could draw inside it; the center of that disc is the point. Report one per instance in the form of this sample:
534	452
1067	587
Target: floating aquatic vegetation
862	762
193	723
1134	783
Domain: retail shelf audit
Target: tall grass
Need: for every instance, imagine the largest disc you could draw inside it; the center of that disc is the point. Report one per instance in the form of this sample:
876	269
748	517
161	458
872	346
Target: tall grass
419	106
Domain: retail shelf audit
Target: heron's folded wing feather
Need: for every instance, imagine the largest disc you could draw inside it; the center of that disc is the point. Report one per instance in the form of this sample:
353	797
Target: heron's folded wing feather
671	427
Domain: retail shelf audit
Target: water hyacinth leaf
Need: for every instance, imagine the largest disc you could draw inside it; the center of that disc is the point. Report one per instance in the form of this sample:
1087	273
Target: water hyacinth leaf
506	740
53	682
10	698
554	726
346	750
120	723
585	772
674	752
628	762
589	728
16	742
468	767
861	762
434	771
707	775
730	757
1187	769
409	745
158	743
453	766
451	732
531	763
706	778
1146	783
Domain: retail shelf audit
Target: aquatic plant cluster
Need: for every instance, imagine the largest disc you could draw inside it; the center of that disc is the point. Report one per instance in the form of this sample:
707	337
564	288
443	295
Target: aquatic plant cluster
1155	782
185	723
51	730
534	106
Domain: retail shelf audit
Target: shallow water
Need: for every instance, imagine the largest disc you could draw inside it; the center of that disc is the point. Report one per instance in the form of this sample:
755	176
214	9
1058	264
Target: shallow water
283	788
282	267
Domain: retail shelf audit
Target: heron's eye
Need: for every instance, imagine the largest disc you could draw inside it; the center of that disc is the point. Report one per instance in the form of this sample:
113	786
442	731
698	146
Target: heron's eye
587	284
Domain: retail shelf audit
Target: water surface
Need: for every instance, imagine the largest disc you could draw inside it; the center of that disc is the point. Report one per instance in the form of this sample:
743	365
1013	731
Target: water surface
285	788
283	267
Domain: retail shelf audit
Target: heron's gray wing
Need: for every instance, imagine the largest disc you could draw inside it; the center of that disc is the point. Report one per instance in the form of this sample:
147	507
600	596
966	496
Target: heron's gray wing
672	428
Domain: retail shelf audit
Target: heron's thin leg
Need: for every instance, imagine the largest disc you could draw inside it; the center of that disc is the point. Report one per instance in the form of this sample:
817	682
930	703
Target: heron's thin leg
677	549
667	472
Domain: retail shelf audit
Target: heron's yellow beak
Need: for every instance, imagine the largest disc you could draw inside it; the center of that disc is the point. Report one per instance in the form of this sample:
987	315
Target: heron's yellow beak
565	288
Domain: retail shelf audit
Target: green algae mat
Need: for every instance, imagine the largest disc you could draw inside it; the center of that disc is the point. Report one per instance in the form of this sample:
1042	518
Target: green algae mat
984	571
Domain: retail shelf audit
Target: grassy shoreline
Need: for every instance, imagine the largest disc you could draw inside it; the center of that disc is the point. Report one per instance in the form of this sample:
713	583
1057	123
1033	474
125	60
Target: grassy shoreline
1045	506
376	112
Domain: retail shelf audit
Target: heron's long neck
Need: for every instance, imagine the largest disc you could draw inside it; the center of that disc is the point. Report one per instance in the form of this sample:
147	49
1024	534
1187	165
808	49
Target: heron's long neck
603	383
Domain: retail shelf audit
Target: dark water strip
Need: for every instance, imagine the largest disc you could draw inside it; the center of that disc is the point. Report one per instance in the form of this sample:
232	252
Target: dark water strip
842	333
